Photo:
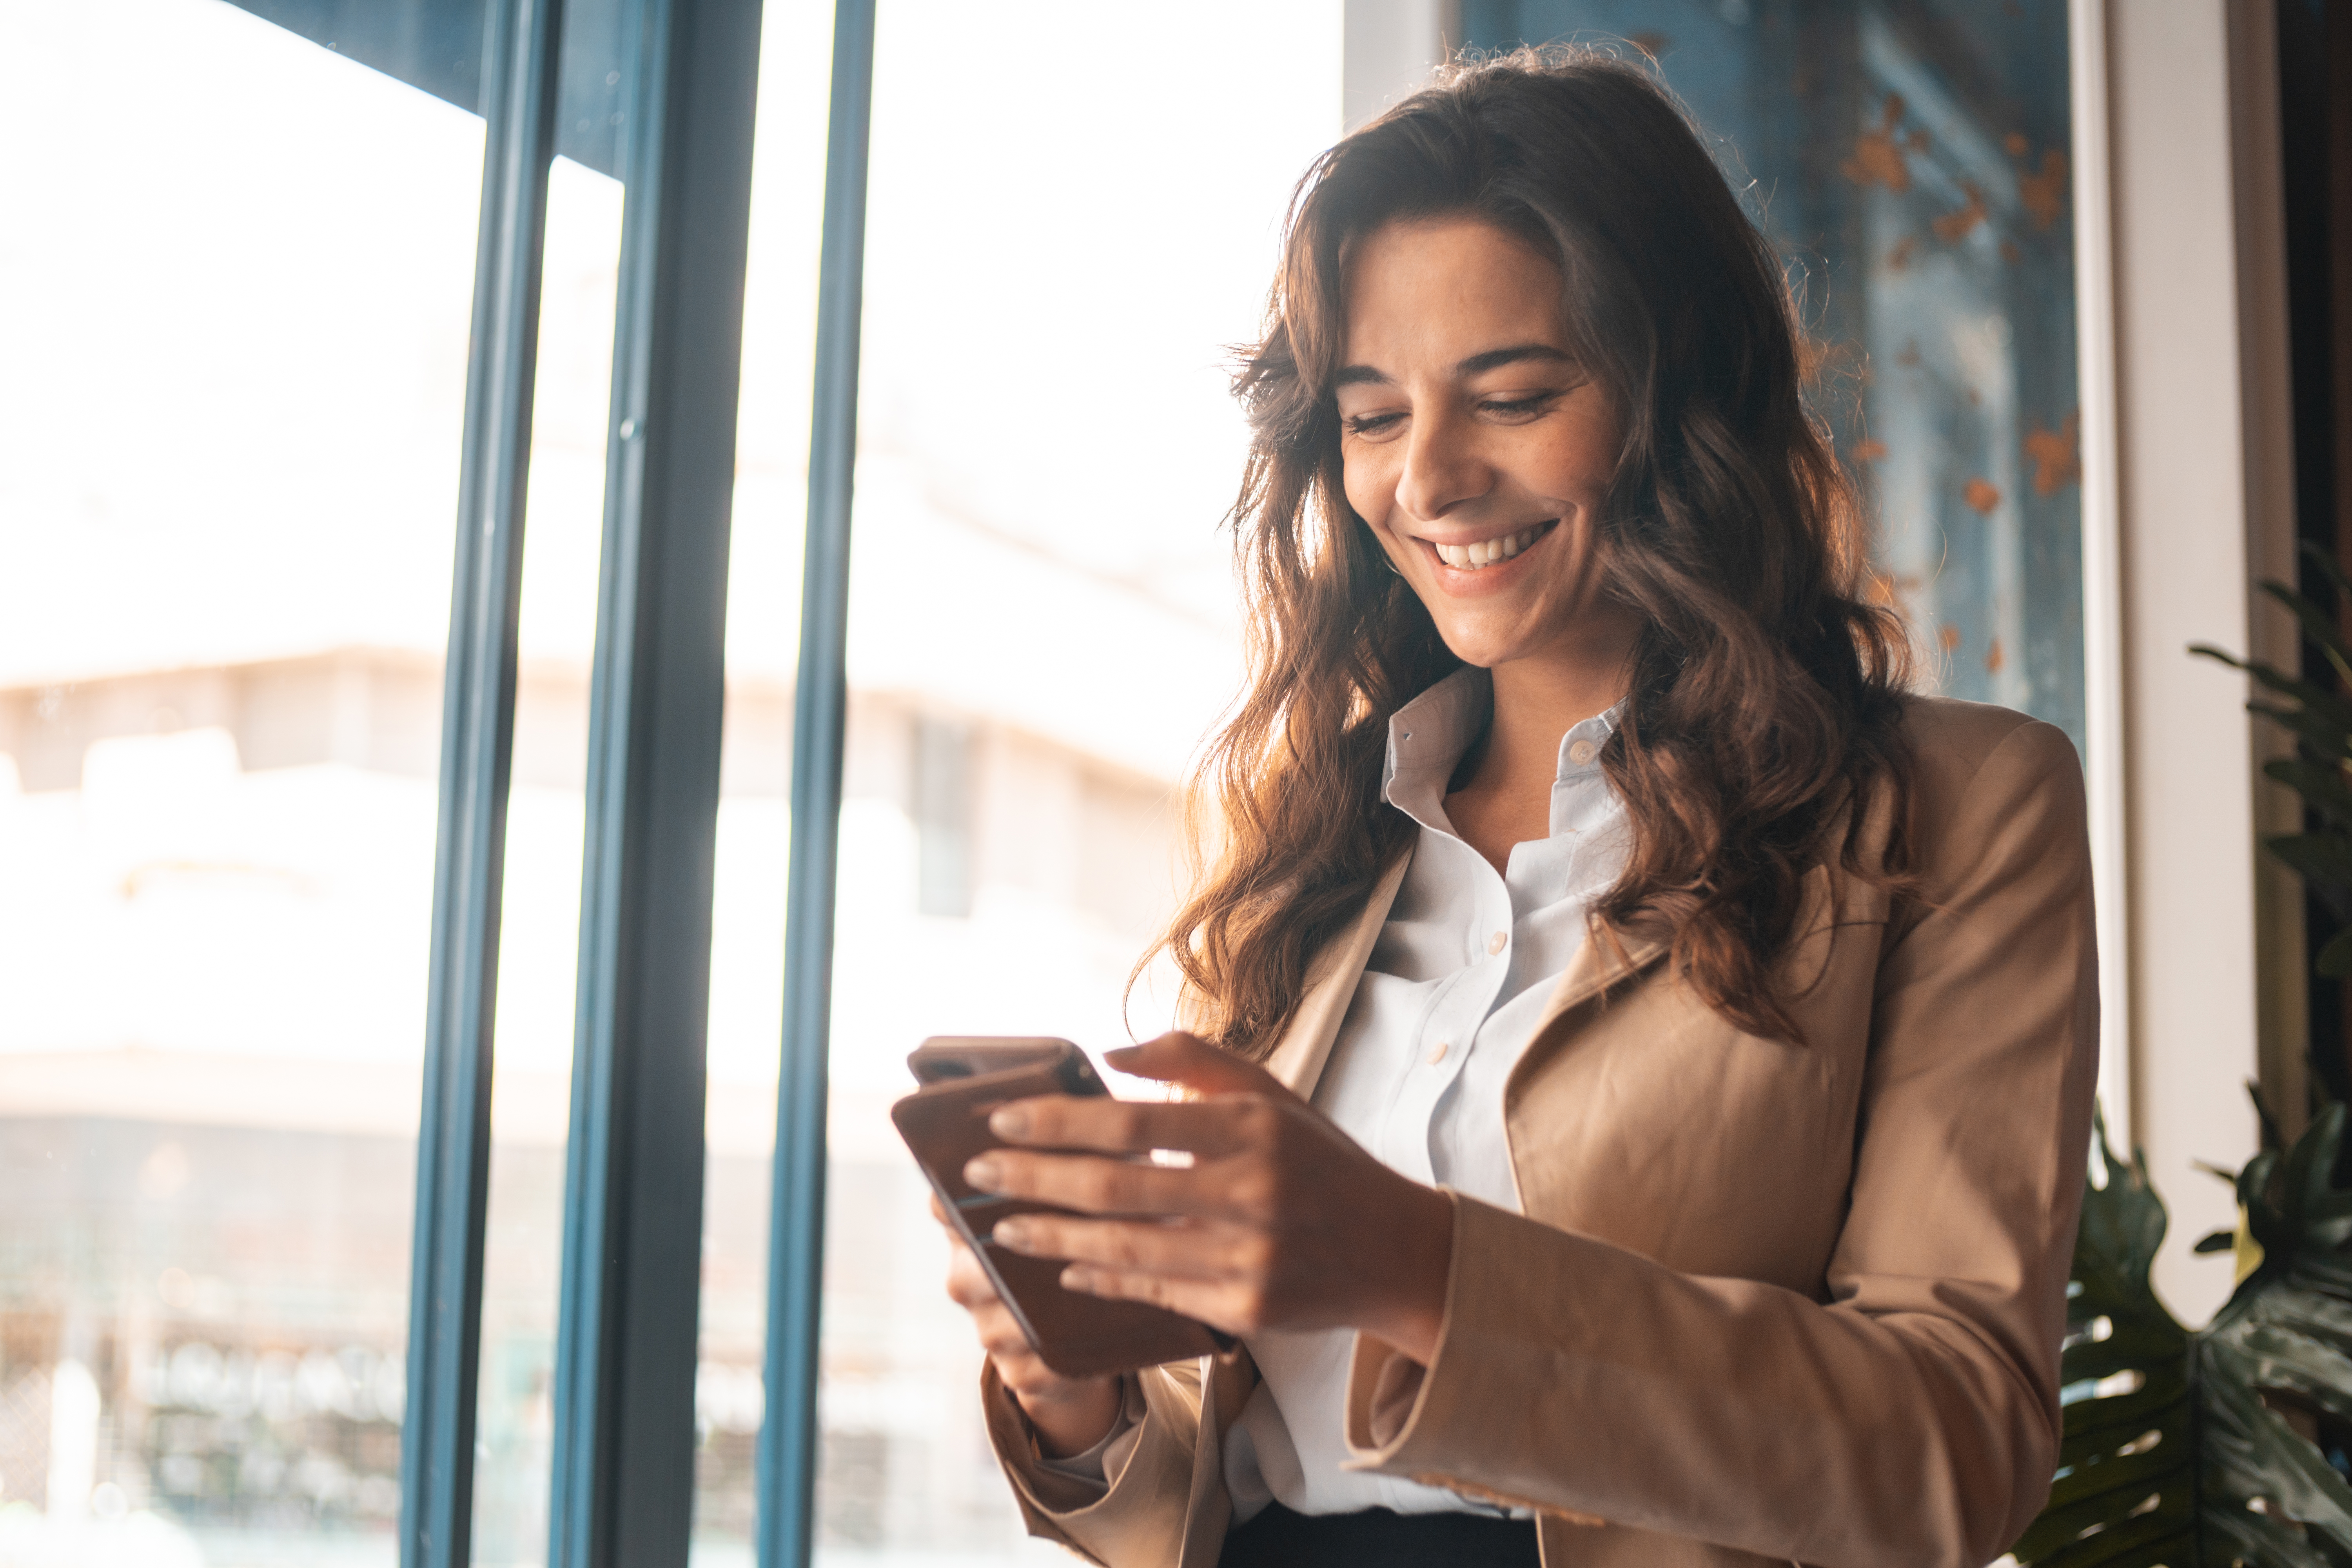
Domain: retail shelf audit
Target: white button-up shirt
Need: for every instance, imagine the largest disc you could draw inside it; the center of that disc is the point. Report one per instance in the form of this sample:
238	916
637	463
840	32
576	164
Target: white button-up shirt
1450	997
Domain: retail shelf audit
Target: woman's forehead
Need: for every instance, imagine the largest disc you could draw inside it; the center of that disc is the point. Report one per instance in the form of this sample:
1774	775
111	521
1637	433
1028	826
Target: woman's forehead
1445	291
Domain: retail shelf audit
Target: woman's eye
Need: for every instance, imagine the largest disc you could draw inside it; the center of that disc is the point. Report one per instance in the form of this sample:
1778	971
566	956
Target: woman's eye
1371	424
1518	407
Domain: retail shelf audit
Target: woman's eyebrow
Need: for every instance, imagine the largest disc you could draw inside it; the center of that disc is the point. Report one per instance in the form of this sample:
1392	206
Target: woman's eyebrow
1493	359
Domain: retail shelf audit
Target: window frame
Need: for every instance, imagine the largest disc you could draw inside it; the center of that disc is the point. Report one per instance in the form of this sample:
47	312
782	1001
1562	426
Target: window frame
621	1490
521	53
786	1462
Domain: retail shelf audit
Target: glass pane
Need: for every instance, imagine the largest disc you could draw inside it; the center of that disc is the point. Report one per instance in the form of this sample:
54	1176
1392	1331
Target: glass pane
228	463
1041	624
1912	158
539	945
747	959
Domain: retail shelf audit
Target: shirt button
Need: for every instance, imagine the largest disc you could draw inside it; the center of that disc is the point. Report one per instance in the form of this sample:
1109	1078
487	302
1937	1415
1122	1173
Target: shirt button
1582	751
1495	942
1438	1052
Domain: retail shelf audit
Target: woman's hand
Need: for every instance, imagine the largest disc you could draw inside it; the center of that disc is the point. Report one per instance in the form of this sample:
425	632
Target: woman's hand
1071	1415
1279	1222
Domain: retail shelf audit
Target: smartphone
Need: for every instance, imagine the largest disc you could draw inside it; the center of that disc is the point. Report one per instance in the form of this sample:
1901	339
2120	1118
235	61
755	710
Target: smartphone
944	1058
945	1124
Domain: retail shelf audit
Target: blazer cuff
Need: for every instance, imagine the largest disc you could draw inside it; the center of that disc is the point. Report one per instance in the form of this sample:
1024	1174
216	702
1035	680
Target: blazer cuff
1423	1423
1100	1466
1137	1513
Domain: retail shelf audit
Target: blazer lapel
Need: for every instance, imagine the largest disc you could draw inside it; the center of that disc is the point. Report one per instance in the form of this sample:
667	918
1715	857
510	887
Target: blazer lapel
1306	1045
1608	956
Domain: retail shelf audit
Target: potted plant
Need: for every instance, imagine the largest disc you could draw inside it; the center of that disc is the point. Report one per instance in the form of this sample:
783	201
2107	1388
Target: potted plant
2230	1443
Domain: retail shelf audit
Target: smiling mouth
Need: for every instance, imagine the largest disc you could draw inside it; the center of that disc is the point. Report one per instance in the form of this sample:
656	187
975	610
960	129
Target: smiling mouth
1491	552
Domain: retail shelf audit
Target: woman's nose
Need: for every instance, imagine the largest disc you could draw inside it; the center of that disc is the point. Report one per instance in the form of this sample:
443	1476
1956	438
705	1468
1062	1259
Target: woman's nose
1442	470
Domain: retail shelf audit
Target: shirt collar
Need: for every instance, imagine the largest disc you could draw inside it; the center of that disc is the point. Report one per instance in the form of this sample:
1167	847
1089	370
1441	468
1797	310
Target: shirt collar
1429	736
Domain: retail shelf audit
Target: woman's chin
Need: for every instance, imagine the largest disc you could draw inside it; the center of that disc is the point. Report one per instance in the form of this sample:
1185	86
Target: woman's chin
1487	645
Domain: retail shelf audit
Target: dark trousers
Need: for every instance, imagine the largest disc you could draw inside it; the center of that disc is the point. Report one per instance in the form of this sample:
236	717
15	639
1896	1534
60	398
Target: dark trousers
1379	1539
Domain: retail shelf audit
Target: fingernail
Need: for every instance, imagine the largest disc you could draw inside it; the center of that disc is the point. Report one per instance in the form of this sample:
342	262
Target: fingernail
985	1172
1011	1233
1078	1277
1009	1121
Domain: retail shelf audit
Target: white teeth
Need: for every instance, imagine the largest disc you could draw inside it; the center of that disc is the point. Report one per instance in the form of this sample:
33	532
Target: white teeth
1487	552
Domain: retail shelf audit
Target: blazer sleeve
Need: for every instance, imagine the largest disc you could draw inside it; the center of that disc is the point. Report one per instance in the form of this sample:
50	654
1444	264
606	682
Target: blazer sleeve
1137	1518
1911	1416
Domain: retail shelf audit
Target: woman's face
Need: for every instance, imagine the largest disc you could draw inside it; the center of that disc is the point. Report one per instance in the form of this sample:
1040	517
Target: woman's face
1474	444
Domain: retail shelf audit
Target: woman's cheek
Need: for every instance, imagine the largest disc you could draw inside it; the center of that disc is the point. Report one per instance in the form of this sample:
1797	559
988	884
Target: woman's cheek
1370	493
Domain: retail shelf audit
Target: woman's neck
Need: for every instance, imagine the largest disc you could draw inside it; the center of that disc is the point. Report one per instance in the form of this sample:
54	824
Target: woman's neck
1535	705
1507	799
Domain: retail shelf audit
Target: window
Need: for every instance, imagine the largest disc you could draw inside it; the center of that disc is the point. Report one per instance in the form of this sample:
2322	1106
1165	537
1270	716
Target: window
300	334
229	463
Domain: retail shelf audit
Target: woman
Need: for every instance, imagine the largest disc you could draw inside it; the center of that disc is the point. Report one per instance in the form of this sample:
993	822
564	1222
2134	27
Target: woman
1642	1056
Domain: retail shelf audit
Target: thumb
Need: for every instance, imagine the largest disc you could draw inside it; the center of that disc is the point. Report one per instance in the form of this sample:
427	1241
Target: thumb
1188	1059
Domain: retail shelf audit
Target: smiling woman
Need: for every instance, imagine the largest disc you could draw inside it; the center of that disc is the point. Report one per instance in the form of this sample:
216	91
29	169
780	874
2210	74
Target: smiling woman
1640	1055
1530	304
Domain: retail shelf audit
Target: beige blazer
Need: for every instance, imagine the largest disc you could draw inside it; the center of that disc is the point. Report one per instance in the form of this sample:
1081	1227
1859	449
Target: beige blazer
1766	1303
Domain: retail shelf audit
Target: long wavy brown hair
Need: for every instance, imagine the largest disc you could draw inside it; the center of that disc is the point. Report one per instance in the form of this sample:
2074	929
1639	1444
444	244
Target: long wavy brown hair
1765	694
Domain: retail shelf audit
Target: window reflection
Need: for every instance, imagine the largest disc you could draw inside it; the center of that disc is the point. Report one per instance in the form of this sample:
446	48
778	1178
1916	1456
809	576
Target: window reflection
1910	157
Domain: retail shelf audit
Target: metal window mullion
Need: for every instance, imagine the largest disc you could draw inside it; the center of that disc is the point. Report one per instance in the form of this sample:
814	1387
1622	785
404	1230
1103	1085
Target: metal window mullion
789	1436
621	1492
519	58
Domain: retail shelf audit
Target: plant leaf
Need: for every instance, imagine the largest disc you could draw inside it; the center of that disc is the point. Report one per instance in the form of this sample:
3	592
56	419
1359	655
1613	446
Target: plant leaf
2322	786
2325	559
2322	856
2318	625
2173	1454
2335	960
2317	698
2124	1493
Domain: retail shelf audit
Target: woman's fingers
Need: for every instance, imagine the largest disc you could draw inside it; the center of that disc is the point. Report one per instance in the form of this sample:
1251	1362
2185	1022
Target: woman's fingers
1230	1305
1179	1057
1119	1126
1084	1181
968	1282
1091	1185
1195	1249
1211	1126
1069	1413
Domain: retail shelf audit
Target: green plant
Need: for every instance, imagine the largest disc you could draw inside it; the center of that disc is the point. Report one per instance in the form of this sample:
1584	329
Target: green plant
2196	1448
2321	769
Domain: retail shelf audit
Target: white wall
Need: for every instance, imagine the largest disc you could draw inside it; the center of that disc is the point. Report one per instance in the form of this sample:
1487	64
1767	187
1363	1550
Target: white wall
1391	47
2200	517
